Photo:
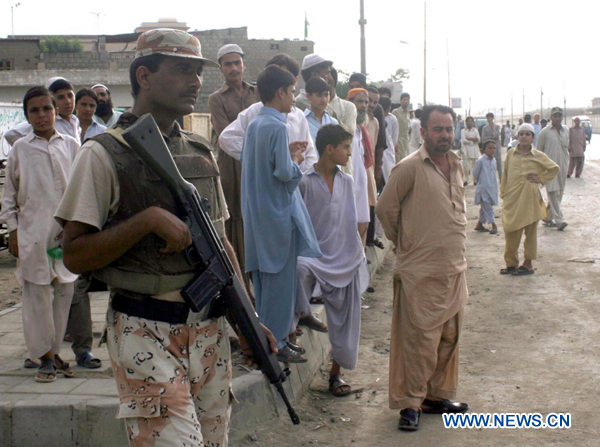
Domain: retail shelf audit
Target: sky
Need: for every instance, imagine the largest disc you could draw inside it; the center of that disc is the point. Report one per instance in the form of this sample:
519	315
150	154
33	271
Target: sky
497	50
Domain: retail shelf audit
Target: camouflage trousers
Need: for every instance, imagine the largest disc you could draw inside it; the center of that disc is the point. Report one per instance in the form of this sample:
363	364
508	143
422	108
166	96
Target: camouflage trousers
174	380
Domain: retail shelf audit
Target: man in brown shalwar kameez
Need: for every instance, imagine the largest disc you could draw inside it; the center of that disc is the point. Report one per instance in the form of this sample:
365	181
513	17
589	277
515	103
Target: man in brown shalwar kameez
422	210
225	104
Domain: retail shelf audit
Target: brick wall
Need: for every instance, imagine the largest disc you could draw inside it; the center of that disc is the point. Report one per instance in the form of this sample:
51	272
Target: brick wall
25	54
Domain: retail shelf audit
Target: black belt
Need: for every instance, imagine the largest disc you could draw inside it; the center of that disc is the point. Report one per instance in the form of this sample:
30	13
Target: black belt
152	309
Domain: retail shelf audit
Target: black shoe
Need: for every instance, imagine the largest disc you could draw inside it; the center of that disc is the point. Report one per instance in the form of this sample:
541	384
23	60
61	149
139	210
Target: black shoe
409	419
443	406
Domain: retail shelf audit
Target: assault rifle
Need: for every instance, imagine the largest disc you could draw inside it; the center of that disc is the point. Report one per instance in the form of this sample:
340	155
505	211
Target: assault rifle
216	284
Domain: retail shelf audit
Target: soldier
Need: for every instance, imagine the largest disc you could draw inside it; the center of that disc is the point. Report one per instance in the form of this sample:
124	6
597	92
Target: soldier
225	104
172	366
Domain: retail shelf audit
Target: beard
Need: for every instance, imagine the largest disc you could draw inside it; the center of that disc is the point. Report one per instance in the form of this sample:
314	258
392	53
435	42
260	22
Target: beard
442	146
361	117
104	108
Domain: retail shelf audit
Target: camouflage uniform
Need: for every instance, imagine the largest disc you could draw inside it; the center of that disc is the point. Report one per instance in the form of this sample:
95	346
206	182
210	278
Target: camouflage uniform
174	379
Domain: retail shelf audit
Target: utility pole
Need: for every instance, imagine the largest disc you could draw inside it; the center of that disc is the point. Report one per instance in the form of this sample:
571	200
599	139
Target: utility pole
523	103
363	52
541	103
12	18
448	60
425	54
511	108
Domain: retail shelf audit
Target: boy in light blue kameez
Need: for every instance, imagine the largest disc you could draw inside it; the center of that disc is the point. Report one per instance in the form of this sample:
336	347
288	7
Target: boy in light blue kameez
486	194
277	227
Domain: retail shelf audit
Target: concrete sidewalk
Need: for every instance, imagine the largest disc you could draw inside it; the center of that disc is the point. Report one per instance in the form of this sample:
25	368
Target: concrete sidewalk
81	411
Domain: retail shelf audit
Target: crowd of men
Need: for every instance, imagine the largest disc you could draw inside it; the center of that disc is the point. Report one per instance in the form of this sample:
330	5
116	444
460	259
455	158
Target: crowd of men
300	187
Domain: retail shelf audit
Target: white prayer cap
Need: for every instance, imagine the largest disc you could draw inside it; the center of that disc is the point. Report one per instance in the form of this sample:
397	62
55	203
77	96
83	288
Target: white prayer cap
53	80
527	127
100	85
313	59
227	49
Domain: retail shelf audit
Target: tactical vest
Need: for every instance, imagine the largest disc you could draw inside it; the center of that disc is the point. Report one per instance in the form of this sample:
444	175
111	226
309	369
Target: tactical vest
144	269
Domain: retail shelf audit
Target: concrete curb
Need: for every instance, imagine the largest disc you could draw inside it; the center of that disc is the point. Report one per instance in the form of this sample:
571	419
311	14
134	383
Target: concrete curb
71	419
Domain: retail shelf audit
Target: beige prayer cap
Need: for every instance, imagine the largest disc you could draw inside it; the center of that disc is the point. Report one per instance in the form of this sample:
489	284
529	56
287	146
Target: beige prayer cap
171	42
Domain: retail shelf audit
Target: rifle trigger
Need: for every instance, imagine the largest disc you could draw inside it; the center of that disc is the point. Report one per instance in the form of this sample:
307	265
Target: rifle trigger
192	256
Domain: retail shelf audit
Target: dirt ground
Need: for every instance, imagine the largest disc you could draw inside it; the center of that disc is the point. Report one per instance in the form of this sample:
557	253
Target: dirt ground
529	345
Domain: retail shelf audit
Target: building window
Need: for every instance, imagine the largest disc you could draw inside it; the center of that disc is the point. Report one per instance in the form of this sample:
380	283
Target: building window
7	64
303	48
274	46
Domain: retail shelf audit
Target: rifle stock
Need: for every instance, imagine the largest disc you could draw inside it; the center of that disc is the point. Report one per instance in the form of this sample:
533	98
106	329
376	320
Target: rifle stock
217	279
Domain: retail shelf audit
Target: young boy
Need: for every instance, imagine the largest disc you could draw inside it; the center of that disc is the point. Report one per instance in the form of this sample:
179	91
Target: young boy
37	171
86	102
525	170
341	274
486	193
277	227
66	123
317	93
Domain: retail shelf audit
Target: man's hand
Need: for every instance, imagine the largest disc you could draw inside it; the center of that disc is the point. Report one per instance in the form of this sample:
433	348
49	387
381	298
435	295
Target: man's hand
297	148
171	228
248	360
533	178
13	243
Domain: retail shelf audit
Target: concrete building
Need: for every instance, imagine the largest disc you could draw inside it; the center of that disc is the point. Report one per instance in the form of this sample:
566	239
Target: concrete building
106	60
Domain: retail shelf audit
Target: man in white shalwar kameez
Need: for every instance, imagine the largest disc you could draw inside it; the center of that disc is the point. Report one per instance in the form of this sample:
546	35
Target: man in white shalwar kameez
360	153
341	274
554	142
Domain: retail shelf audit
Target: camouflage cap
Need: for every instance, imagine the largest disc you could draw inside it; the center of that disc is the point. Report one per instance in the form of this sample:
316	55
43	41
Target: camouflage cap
556	110
171	42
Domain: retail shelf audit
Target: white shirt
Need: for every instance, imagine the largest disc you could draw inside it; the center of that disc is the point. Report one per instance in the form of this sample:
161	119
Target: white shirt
37	172
415	141
70	127
361	194
93	130
389	155
111	121
231	139
345	112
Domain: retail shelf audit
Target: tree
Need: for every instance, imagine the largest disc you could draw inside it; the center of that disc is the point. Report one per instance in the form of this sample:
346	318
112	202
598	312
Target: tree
341	89
61	44
400	74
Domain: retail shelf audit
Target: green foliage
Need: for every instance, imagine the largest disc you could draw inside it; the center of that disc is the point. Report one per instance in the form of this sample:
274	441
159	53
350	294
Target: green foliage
61	44
400	74
341	89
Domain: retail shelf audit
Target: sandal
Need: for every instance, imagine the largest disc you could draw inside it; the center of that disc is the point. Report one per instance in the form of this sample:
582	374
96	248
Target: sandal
523	271
63	368
46	373
508	271
338	387
31	363
312	322
299	331
294	347
482	229
87	360
317	300
287	355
